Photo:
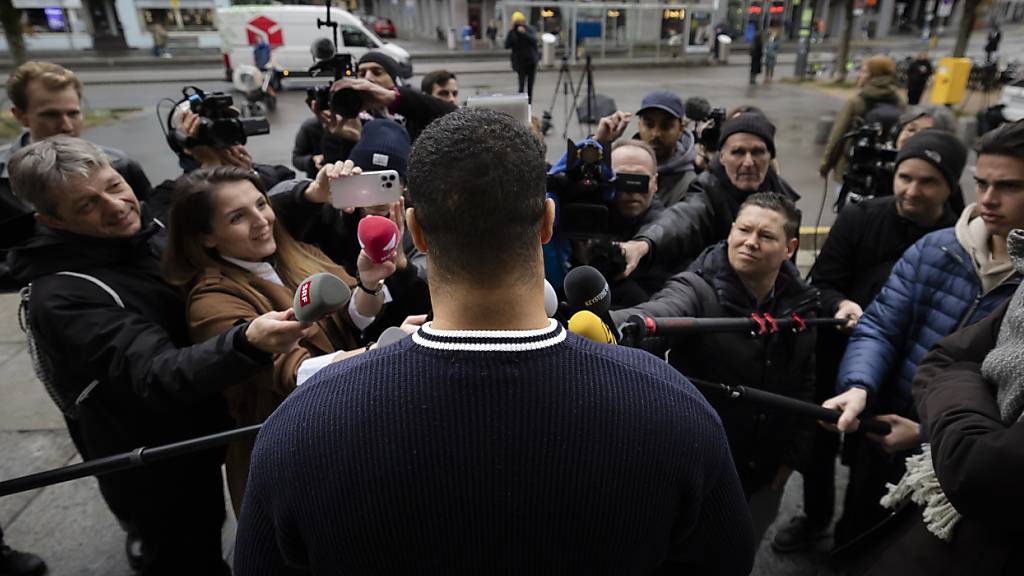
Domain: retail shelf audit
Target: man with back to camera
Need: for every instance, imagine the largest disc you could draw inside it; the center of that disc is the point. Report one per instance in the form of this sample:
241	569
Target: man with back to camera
947	280
750	273
855	261
491	437
661	126
705	214
441	84
46	99
122	359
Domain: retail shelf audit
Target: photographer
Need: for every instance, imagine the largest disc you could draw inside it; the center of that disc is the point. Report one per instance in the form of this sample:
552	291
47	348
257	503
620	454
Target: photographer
865	242
46	99
633	205
877	80
705	214
662	127
304	207
384	97
750	272
115	335
948	279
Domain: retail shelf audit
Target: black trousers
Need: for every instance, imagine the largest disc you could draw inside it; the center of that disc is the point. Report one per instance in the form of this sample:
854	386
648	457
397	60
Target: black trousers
914	92
527	74
820	475
870	469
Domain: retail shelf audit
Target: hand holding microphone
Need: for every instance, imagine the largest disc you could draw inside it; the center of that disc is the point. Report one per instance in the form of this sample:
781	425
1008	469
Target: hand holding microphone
318	296
277	332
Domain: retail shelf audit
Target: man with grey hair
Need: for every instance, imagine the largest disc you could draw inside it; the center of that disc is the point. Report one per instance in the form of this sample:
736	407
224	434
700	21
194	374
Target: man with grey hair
124	371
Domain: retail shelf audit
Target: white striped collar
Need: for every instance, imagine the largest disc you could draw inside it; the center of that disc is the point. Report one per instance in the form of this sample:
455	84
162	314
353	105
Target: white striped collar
490	340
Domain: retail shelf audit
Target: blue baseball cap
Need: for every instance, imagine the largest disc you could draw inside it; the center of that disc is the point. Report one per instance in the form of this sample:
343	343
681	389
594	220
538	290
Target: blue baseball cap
663	100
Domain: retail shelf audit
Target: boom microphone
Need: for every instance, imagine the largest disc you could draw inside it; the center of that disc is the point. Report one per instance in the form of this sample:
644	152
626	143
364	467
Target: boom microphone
318	296
586	289
379	237
586	324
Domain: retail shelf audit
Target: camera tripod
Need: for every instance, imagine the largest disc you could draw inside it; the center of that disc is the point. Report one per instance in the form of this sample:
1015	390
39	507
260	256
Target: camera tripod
564	85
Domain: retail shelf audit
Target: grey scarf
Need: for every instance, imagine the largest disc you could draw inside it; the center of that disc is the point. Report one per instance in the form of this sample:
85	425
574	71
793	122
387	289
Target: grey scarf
1004	368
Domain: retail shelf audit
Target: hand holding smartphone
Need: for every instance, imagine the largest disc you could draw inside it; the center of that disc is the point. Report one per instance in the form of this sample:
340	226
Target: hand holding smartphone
366	189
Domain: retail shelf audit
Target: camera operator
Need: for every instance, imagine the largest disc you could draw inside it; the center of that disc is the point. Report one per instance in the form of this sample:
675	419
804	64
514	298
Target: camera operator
865	242
633	205
705	214
304	207
308	151
115	334
492	440
46	99
750	272
661	125
877	80
948	279
441	84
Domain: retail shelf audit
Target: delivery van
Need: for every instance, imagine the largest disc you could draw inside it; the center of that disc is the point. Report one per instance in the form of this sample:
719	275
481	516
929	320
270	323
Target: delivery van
290	30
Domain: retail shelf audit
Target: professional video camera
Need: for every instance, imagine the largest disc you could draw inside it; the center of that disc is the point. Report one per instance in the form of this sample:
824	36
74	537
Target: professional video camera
345	102
583	189
221	125
871	163
712	130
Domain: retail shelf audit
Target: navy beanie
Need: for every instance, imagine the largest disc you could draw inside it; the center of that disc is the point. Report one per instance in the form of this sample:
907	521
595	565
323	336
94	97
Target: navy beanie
387	62
940	149
384	145
750	123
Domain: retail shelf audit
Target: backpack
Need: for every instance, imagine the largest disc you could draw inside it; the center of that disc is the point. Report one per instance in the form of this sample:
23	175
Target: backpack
43	364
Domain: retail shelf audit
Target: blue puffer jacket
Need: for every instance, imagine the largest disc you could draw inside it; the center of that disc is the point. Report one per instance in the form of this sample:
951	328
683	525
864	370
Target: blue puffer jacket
932	291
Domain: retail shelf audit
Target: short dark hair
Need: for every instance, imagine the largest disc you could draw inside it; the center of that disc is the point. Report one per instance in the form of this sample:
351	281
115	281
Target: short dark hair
1007	140
436	77
477	184
777	203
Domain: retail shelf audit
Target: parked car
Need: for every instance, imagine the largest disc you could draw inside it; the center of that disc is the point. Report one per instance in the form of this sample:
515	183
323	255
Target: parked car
1013	101
384	27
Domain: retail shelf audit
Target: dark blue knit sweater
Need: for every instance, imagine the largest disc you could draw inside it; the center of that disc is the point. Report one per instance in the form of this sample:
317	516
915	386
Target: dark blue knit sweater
530	452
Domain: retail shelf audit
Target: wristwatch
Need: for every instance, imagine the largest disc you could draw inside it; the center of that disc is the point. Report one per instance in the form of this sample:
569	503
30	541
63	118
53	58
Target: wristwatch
371	291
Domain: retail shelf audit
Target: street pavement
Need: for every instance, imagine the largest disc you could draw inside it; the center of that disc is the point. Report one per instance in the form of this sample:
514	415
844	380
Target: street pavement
68	524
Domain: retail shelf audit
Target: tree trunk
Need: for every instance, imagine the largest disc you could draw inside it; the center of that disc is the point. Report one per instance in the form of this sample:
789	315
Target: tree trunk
11	21
844	42
966	27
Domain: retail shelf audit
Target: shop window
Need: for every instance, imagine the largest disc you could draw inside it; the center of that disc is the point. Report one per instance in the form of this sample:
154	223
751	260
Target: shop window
162	16
197	19
42	20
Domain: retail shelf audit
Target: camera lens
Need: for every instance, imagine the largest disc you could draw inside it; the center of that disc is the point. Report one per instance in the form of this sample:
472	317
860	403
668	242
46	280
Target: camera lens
383	178
388	185
346	103
391	177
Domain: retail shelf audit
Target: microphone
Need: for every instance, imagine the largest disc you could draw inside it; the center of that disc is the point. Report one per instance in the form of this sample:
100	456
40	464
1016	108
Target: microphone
391	335
550	300
318	296
586	289
586	324
378	236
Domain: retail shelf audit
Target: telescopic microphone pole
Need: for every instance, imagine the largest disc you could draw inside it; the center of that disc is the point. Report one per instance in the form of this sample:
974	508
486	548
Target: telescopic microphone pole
756	325
124	461
786	403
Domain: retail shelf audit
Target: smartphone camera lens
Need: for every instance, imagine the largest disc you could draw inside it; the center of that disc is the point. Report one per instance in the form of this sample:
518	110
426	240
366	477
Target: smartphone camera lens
391	177
388	185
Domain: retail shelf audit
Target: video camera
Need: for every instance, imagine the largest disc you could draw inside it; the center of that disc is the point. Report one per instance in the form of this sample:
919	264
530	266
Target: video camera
346	102
712	131
221	125
583	189
871	163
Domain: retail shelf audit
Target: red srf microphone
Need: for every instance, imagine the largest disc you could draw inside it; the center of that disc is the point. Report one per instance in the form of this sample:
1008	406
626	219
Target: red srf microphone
318	296
379	237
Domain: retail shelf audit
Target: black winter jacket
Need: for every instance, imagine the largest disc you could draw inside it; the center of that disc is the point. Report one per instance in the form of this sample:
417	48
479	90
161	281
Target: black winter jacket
308	143
979	462
703	217
154	385
761	438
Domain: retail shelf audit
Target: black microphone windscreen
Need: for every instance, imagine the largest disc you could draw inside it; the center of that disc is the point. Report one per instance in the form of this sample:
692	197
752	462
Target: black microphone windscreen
586	289
318	296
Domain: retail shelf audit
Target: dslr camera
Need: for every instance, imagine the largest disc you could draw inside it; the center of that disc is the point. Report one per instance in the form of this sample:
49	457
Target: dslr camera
346	102
583	189
712	131
221	125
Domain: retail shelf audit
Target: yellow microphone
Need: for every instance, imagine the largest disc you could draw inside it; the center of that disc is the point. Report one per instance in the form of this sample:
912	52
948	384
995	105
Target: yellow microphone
588	325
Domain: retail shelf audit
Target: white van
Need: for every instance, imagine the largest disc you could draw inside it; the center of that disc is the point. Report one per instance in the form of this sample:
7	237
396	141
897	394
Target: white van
290	30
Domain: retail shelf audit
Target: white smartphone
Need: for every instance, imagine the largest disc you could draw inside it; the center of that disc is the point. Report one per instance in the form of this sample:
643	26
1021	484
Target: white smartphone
515	105
366	189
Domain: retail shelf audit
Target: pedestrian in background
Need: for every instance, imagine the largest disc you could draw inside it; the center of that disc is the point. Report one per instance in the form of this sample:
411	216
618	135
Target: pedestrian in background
756	56
917	77
522	40
492	33
771	53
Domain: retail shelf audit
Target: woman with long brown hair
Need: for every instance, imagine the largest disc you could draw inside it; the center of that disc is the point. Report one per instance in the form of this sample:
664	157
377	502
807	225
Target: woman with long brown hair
236	261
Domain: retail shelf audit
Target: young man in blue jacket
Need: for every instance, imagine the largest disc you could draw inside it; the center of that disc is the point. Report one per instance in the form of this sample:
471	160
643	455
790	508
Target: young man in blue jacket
949	279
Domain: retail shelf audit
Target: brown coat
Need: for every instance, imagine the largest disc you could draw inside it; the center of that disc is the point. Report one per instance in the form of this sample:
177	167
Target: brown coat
216	303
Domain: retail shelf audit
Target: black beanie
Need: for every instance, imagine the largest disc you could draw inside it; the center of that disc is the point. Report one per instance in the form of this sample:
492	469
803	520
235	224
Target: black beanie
940	149
387	62
750	123
384	145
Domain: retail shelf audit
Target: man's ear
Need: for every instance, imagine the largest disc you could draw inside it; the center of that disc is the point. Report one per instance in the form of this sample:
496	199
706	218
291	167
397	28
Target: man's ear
20	116
791	245
414	228
653	188
547	223
50	221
